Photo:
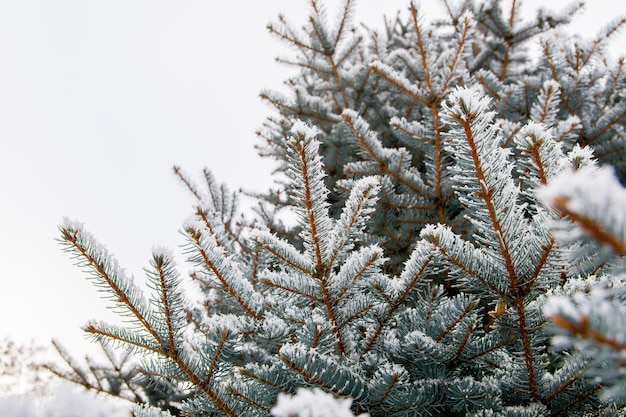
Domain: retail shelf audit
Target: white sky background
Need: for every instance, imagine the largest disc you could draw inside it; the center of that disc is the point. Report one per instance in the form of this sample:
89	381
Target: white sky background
98	99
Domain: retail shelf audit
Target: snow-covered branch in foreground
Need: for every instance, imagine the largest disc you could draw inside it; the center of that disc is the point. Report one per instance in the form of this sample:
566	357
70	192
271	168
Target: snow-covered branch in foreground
590	312
594	200
592	320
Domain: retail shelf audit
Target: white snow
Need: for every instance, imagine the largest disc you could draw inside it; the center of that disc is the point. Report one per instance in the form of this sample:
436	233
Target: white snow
274	327
312	403
467	102
163	251
562	306
62	401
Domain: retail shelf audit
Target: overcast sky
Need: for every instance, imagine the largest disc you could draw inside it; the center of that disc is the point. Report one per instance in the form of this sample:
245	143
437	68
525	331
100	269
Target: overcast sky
98	99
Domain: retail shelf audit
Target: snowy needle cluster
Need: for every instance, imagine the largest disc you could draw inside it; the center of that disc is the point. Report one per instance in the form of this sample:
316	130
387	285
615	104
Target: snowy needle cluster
460	237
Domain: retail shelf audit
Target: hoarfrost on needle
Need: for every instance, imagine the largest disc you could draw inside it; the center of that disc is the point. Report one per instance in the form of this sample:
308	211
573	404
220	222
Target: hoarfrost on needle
299	127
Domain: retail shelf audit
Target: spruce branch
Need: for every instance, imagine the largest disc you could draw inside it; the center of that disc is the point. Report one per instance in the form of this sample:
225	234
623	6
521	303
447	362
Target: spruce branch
165	282
392	162
321	370
396	292
213	260
284	252
108	275
572	194
307	176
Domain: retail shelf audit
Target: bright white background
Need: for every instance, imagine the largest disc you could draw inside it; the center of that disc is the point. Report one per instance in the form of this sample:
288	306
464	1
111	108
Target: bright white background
98	99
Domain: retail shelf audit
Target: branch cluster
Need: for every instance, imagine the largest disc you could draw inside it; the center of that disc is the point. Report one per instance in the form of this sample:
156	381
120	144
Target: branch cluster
449	223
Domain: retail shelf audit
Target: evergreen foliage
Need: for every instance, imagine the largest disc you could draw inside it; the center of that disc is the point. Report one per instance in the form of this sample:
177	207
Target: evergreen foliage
451	219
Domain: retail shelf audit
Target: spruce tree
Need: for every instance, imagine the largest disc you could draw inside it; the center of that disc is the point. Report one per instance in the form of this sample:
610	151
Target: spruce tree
460	232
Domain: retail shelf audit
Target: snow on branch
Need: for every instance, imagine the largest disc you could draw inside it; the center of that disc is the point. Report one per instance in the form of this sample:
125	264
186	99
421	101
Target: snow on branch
312	403
307	176
594	200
